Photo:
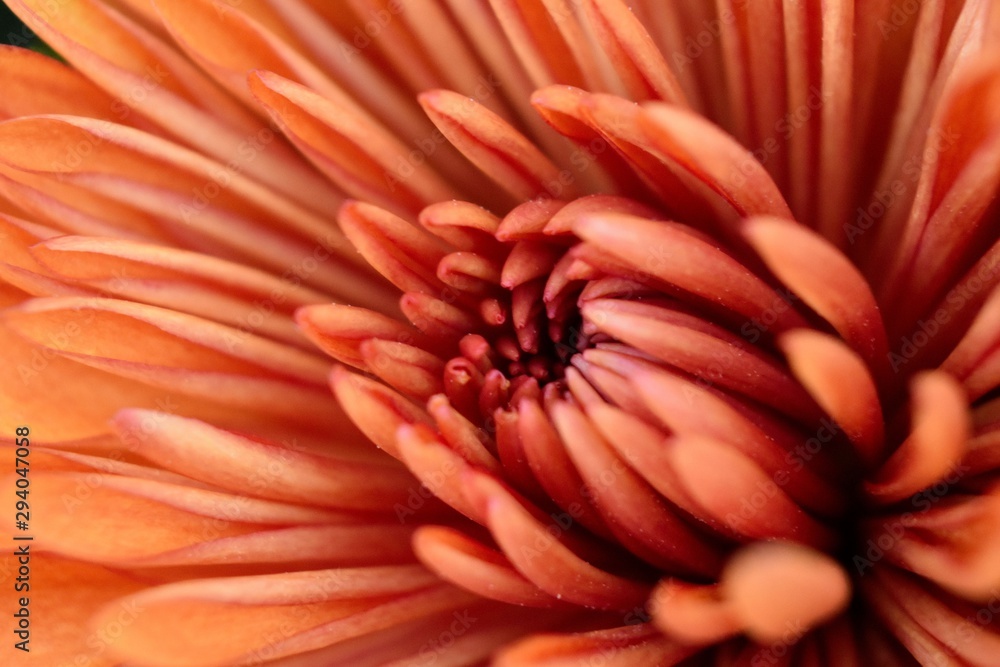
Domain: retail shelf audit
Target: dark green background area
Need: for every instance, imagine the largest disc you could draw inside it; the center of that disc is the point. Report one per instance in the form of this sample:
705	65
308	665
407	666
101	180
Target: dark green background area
10	27
12	31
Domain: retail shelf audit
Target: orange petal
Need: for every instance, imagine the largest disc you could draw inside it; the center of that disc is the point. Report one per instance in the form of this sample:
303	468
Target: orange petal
936	443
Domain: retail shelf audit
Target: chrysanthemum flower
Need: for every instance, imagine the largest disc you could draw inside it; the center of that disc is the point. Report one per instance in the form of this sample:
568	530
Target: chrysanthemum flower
661	332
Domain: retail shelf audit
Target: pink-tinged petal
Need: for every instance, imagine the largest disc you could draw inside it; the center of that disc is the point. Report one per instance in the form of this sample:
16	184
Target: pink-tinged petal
947	621
936	444
562	221
563	109
883	593
463	225
438	318
836	121
147	76
45	392
638	644
438	467
527	221
178	352
772	586
690	410
548	41
529	260
634	513
263	469
468	440
548	459
499	150
112	519
353	150
709	154
734	491
467	563
645	448
954	544
637	61
409	369
469	272
802	36
693	614
36	84
495	627
700	348
839	381
377	410
541	553
974	360
340	330
180	280
949	220
668	252
20	267
182	193
825	280
982	452
405	254
274	615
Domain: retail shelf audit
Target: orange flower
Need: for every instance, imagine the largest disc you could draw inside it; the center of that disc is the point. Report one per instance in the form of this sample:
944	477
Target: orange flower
663	333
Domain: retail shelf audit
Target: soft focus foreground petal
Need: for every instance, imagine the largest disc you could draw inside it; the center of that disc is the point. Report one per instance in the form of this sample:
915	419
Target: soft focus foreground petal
714	158
936	444
772	586
825	280
639	644
270	616
63	593
955	545
693	614
839	381
727	485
